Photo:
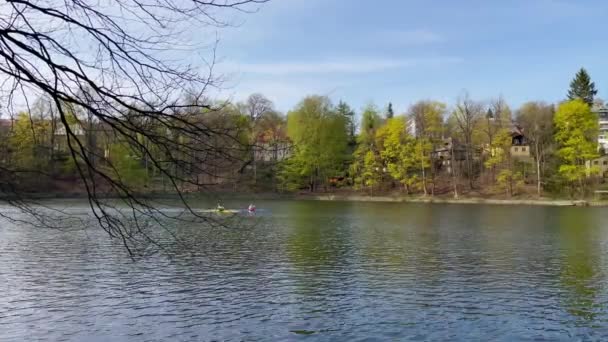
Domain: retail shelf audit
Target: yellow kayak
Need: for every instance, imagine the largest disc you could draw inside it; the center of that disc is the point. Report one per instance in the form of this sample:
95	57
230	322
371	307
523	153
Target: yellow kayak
224	211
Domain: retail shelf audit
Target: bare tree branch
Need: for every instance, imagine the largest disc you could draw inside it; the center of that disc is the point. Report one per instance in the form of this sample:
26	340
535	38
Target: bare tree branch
110	70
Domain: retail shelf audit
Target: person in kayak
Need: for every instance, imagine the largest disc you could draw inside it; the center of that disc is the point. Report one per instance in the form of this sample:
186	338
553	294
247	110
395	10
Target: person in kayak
220	208
251	208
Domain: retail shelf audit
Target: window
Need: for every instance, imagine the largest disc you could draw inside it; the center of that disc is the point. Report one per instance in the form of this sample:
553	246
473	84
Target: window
516	149
523	149
595	162
605	162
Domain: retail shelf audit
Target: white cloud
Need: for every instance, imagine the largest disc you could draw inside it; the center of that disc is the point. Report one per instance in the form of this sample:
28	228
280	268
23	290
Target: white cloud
333	66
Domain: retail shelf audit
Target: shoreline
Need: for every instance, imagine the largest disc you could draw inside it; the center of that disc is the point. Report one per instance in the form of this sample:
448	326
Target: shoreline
462	200
342	198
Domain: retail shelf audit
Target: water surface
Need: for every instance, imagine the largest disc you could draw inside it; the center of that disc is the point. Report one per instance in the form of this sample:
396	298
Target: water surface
319	271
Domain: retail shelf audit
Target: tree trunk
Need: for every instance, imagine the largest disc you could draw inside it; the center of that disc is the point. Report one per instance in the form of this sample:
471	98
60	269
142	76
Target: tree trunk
512	174
469	160
432	174
423	174
453	169
581	186
538	179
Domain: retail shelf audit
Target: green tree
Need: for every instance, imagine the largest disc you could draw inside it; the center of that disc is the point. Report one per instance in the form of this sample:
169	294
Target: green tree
126	166
500	157
370	121
29	143
576	130
391	139
371	173
508	179
320	138
366	142
348	113
399	152
582	88
498	117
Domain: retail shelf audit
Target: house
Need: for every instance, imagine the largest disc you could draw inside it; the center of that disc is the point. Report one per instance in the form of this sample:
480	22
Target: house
271	147
519	144
61	136
601	164
449	146
5	126
98	138
449	150
602	113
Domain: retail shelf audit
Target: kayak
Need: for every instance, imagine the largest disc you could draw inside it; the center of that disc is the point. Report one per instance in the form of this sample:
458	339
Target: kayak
225	211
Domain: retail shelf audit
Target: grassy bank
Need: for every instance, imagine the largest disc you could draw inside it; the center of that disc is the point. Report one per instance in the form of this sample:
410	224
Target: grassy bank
461	200
338	196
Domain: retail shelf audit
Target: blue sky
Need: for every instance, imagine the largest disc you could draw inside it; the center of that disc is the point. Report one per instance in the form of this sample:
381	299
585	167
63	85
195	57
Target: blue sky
405	50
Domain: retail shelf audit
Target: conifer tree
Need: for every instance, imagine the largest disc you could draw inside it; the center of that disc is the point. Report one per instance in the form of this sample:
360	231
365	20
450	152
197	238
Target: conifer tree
389	111
582	88
348	113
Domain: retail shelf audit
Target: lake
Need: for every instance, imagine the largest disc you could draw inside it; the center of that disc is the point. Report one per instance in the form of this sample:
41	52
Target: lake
319	271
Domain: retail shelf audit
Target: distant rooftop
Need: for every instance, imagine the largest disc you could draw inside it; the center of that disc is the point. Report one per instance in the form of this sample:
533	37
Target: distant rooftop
599	109
5	123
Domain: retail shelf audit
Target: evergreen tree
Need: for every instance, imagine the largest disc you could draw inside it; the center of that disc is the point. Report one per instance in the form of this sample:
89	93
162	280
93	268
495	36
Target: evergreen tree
389	111
343	109
582	88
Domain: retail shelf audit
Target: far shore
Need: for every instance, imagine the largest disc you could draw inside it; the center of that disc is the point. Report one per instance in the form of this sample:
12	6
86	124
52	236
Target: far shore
461	200
348	197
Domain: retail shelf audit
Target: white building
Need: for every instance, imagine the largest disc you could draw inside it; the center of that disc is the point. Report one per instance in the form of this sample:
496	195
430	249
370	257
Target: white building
602	113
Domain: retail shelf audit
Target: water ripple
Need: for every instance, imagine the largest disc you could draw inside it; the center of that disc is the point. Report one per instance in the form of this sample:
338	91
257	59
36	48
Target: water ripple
338	271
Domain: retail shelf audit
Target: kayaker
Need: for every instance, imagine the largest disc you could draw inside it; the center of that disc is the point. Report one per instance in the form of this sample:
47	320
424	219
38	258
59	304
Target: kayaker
251	208
220	207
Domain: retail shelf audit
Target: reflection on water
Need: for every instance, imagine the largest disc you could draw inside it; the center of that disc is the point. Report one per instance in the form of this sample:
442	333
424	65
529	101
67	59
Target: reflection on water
319	271
580	266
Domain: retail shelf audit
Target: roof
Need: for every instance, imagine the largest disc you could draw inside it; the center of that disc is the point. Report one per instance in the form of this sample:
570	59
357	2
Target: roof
269	136
516	130
5	123
76	129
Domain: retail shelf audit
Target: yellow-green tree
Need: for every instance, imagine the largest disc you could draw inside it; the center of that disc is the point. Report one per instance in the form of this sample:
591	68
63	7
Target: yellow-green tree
427	118
371	172
497	118
499	158
126	166
390	139
398	151
320	138
576	130
30	143
366	142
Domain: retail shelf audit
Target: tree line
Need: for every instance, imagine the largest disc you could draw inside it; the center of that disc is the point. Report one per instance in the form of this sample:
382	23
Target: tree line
475	147
204	144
